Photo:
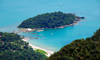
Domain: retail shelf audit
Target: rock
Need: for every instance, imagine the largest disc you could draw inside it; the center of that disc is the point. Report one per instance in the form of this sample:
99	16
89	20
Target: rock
82	17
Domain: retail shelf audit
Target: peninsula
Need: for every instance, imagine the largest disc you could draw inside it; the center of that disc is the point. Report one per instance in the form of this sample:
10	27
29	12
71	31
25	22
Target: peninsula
50	20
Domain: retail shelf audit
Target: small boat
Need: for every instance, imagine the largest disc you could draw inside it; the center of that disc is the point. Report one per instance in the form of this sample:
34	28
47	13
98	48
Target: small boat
61	4
51	33
43	37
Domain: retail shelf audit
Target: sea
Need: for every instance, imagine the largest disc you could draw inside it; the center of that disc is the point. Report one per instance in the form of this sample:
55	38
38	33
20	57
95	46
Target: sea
13	12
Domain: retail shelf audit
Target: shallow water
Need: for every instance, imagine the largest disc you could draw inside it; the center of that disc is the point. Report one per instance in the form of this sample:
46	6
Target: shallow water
12	13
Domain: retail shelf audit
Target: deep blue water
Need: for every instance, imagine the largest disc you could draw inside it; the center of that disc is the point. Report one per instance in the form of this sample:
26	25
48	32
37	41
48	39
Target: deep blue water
13	12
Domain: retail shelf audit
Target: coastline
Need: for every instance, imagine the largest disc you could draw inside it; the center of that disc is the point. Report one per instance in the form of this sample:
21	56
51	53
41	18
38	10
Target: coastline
49	53
75	22
36	29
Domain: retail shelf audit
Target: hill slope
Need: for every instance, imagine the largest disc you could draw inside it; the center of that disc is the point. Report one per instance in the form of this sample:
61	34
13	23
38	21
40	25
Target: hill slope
88	49
13	48
48	20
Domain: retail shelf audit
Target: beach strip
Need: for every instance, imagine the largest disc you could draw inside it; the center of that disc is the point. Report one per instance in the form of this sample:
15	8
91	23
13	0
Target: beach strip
49	53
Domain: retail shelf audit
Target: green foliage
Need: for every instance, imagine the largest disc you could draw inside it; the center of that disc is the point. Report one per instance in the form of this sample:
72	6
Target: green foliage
41	51
13	48
48	20
80	49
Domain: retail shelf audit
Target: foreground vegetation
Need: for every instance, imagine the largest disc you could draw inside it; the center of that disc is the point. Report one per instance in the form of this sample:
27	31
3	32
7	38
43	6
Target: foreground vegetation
80	49
48	20
12	47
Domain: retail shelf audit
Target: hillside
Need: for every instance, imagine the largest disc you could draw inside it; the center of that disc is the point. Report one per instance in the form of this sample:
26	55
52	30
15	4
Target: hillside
12	47
49	20
80	49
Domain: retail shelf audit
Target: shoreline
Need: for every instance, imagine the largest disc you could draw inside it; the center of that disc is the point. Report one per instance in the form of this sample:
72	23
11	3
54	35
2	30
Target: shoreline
75	22
35	29
49	53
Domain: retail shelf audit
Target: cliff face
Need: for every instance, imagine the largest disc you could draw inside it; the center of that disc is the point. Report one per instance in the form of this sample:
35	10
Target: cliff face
80	49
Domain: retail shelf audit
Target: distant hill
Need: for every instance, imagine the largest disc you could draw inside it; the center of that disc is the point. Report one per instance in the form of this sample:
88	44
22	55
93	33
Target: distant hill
80	49
49	20
13	48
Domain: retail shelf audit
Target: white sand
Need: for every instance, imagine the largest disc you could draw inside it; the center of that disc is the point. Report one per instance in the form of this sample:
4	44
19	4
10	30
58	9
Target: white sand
35	47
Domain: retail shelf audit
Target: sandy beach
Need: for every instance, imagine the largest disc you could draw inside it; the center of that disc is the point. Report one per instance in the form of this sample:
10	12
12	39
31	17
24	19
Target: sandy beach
35	47
47	51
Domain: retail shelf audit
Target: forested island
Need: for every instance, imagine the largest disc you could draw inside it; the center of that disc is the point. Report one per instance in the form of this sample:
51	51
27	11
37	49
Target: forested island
50	20
12	47
80	49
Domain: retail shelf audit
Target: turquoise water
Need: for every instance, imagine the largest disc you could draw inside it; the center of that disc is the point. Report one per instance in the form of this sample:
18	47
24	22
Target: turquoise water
12	13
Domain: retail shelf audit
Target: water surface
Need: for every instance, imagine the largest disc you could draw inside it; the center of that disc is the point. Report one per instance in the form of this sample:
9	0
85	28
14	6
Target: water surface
13	12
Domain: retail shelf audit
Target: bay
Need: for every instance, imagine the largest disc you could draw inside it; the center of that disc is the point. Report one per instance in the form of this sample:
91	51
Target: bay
13	12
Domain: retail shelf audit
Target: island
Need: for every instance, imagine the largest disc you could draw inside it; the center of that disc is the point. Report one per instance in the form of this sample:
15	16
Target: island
50	20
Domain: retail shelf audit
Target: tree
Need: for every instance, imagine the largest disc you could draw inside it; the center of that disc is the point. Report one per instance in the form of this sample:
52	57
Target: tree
48	20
